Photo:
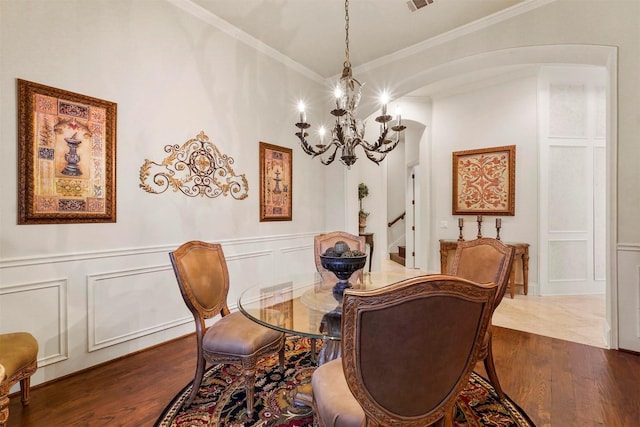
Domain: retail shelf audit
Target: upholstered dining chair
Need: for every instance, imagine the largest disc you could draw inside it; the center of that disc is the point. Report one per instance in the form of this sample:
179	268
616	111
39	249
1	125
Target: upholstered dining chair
408	350
18	361
486	260
322	242
203	278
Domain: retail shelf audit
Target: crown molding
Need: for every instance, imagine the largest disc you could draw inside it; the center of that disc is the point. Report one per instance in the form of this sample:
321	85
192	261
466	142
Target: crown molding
214	20
503	15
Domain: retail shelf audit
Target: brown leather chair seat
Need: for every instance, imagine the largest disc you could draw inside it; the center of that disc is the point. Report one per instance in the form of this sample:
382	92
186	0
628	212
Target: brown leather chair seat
339	406
237	335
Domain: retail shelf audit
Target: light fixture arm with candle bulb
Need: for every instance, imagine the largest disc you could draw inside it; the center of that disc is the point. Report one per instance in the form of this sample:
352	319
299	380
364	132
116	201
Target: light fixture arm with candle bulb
348	130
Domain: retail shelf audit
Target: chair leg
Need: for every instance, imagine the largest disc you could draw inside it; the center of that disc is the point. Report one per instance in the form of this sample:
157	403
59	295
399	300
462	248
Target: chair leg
4	408
490	367
25	388
197	380
281	358
314	355
249	384
449	416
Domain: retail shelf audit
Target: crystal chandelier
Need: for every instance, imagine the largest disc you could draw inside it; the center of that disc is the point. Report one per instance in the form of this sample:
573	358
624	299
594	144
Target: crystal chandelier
348	130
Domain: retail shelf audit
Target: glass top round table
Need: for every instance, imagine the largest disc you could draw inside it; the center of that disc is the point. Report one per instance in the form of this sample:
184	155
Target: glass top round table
304	305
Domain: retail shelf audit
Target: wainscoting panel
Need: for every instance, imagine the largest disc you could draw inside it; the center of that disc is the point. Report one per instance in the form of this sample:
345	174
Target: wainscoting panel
567	260
629	297
247	270
569	271
295	260
41	309
87	308
128	304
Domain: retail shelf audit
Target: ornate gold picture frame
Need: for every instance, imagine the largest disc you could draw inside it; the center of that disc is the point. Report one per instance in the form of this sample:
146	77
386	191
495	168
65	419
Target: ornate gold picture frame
66	156
275	182
484	181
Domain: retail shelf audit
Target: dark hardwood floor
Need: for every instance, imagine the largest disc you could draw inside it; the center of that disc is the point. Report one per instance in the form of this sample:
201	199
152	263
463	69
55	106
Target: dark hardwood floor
557	383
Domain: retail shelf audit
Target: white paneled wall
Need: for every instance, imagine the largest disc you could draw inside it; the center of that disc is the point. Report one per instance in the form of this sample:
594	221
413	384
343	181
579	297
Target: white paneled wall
629	296
572	132
88	308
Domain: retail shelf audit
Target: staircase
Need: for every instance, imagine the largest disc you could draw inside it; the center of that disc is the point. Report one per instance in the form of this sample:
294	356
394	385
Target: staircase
399	256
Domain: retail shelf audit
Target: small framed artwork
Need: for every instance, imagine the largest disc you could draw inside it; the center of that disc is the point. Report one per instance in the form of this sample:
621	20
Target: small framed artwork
275	182
484	181
66	156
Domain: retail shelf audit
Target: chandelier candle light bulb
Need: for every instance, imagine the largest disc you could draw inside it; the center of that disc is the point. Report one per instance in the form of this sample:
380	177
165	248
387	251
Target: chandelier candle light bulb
303	116
384	99
321	133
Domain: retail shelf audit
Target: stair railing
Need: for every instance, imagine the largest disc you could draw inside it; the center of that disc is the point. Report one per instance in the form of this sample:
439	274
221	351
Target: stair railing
401	216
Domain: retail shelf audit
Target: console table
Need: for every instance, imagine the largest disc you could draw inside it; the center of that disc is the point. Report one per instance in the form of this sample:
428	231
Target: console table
368	239
522	252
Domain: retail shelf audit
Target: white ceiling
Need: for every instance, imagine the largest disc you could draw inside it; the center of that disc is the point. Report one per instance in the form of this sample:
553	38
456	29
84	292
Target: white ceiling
312	32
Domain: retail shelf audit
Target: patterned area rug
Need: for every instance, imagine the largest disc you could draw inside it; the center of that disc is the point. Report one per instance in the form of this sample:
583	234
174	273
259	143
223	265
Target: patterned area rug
221	399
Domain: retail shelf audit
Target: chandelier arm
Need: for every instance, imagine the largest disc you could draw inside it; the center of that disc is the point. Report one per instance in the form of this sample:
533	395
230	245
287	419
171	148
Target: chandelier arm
331	158
374	158
321	151
388	147
379	142
307	147
370	147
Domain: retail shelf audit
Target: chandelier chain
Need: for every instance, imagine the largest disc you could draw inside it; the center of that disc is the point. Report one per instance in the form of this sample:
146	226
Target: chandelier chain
347	63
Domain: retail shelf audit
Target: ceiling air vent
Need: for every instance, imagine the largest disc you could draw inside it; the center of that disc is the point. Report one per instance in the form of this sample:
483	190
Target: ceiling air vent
419	4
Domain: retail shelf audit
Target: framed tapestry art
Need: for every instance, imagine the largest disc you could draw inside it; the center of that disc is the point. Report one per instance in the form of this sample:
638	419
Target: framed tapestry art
484	181
66	156
275	182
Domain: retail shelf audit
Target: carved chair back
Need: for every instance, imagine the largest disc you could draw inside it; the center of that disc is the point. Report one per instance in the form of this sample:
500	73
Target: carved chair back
484	260
203	278
409	348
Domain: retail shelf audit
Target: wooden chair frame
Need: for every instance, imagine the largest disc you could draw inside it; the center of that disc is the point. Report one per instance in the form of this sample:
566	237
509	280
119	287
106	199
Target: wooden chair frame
500	275
217	304
357	305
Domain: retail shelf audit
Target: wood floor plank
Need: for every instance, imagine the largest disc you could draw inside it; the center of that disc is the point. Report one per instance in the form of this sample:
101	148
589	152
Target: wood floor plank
556	382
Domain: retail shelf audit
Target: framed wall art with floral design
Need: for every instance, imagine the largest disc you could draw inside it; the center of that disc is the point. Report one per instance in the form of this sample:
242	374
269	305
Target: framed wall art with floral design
484	181
66	156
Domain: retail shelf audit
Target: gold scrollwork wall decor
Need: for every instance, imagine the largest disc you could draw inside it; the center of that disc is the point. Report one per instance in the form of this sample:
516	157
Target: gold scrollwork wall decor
197	168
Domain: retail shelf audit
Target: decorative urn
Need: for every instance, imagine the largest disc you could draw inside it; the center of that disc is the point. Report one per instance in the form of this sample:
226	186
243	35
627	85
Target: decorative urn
343	262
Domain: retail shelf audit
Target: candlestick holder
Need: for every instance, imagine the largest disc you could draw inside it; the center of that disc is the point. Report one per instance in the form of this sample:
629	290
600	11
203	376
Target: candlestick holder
479	219
498	226
460	226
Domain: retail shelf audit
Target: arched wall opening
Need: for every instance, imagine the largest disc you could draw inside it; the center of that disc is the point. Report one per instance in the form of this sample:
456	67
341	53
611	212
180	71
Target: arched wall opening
464	74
